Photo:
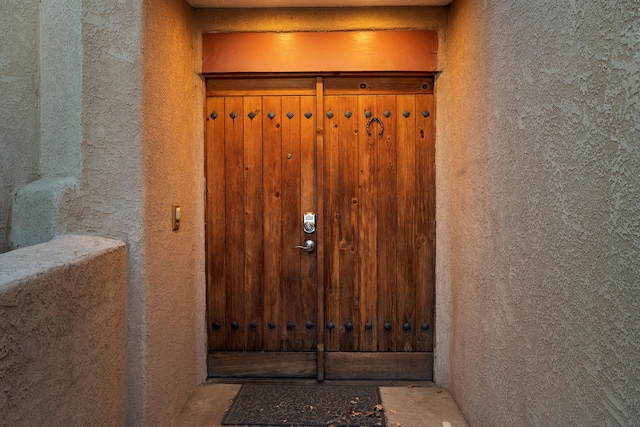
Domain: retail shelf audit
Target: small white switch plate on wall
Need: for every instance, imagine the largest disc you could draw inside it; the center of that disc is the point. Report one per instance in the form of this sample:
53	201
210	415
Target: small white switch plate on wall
175	216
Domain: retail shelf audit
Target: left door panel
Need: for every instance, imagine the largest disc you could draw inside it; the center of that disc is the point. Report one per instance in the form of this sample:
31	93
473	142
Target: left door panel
262	291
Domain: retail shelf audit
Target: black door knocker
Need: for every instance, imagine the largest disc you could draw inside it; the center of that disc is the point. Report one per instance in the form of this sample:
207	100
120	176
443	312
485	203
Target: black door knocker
375	119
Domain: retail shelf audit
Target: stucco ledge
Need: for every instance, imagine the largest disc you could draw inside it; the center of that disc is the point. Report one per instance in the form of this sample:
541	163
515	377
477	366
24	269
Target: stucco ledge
62	333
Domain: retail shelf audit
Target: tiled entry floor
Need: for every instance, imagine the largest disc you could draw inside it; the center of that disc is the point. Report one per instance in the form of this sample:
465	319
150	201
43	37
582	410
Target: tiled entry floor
422	405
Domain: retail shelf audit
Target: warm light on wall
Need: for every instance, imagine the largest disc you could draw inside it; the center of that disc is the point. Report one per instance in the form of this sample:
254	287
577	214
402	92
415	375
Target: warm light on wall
341	51
362	36
285	37
312	3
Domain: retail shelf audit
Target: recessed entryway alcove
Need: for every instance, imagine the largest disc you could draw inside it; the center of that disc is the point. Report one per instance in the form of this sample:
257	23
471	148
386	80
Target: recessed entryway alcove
336	128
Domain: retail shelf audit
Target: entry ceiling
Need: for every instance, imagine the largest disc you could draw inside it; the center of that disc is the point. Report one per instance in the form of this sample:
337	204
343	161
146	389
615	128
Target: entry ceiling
314	3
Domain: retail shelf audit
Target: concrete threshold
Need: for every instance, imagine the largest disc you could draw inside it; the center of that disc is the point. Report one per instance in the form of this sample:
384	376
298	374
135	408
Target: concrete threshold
405	405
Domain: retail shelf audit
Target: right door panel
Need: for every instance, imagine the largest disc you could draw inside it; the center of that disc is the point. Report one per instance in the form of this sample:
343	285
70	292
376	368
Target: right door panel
380	226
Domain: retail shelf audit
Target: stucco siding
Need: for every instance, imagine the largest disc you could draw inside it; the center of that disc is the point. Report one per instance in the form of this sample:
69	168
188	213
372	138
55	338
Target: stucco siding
538	219
62	333
173	156
19	105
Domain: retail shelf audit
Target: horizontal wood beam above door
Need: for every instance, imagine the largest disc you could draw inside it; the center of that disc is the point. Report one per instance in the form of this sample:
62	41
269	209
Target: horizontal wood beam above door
308	52
261	86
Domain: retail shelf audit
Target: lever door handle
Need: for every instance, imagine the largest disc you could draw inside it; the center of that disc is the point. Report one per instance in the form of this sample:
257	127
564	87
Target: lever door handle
309	246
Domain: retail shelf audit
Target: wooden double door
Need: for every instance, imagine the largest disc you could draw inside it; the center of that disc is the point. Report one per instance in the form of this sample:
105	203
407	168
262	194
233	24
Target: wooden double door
356	155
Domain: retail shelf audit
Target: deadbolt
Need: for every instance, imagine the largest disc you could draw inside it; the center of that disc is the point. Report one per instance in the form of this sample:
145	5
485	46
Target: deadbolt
309	222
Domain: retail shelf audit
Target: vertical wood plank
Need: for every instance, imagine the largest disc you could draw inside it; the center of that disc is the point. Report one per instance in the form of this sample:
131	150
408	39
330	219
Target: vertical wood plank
253	233
234	214
291	224
332	254
272	196
425	222
387	224
368	225
215	220
406	253
348	208
308	265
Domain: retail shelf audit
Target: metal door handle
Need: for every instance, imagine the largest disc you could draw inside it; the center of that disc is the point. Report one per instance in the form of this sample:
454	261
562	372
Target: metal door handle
309	246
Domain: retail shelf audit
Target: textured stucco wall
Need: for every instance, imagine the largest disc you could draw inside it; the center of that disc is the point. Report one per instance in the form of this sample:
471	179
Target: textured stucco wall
90	91
173	266
38	210
35	206
539	211
120	142
90	116
108	198
19	107
60	88
62	333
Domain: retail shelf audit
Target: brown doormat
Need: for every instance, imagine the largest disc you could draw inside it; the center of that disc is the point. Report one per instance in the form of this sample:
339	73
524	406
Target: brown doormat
305	405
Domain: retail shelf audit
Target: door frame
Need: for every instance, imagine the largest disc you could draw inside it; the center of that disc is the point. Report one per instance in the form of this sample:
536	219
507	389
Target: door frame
318	54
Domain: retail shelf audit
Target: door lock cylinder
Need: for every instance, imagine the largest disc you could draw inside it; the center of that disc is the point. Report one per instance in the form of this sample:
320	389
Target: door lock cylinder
309	223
